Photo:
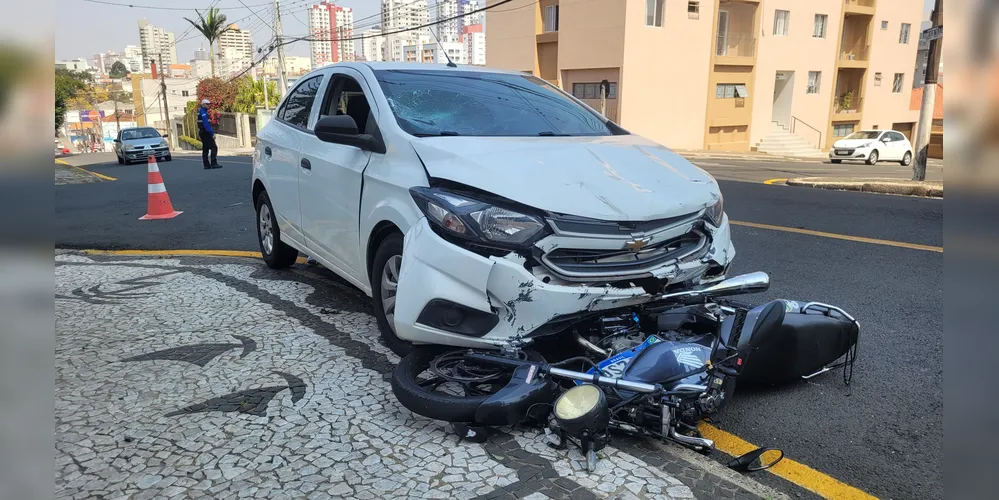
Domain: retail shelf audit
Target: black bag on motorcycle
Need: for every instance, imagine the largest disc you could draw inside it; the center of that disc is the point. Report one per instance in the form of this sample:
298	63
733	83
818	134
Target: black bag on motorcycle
782	341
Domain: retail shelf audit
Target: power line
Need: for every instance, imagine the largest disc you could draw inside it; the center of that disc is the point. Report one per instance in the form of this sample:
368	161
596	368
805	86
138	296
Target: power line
153	7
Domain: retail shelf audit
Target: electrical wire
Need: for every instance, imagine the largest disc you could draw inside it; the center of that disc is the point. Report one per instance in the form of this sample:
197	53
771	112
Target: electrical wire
153	7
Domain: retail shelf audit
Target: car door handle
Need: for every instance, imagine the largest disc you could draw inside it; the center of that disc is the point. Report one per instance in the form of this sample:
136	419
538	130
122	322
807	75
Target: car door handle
306	164
267	150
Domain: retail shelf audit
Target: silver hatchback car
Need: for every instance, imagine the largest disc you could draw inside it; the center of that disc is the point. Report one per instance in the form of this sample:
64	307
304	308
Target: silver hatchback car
139	143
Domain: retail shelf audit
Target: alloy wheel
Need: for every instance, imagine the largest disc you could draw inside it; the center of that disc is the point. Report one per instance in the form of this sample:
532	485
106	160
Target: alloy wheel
266	229
390	286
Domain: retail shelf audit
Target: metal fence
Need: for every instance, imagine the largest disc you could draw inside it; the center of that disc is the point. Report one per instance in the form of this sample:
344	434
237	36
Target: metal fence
228	124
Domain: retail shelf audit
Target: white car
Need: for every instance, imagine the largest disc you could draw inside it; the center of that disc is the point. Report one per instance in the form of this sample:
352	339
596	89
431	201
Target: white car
477	206
872	146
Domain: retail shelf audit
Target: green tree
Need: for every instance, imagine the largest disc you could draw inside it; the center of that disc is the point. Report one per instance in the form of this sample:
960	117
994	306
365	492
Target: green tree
250	94
118	70
212	25
68	85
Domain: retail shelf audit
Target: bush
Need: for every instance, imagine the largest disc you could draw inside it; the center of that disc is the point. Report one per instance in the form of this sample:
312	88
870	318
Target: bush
190	140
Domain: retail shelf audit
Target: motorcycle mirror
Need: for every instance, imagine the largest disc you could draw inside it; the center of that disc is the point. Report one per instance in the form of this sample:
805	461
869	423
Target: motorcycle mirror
744	283
757	460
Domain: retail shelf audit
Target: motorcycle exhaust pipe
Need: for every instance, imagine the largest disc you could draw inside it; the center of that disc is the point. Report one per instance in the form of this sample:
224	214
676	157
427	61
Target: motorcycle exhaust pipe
691	441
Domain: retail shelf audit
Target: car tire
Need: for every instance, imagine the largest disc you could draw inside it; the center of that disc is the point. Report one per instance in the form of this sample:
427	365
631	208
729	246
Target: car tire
906	159
431	404
873	158
387	261
126	161
277	255
168	158
836	161
121	161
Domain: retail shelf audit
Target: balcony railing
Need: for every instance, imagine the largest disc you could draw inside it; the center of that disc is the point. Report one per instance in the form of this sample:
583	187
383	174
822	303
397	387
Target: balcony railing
854	52
848	104
735	45
860	3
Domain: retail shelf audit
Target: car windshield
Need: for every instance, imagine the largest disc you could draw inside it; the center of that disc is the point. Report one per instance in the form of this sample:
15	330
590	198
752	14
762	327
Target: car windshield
440	102
139	133
863	135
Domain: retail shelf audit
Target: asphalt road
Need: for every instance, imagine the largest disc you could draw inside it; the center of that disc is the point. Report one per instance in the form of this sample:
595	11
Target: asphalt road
759	170
883	434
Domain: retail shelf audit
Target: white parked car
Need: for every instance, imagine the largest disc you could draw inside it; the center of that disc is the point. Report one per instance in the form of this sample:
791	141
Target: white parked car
478	205
872	146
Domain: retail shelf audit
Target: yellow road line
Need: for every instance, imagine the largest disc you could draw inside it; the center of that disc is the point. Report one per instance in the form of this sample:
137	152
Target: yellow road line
797	473
173	253
95	174
860	239
775	181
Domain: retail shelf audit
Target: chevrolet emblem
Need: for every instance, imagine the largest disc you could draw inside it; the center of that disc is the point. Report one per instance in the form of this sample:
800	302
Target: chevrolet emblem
637	242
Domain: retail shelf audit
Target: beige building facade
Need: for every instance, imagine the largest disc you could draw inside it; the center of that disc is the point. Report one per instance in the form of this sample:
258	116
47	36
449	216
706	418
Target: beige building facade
722	74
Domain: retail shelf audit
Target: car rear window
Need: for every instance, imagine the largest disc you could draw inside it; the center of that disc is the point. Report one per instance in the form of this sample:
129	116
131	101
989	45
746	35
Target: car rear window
471	103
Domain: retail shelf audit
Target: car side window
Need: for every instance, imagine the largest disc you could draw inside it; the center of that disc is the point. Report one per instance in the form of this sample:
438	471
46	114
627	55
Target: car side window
346	97
887	137
298	105
898	136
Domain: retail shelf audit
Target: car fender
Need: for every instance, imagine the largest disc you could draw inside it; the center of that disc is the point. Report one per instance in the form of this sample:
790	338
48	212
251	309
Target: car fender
383	202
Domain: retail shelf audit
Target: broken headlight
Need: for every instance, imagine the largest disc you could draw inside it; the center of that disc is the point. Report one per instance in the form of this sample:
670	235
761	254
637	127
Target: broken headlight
715	213
467	218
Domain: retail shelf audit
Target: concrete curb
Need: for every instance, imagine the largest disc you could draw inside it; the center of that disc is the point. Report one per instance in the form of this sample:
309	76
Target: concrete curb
929	189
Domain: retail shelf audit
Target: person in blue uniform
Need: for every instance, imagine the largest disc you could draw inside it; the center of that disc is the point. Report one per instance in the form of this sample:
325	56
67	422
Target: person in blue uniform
207	137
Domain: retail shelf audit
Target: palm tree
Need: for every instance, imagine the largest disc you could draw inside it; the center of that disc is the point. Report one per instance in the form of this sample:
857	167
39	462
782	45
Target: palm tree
211	25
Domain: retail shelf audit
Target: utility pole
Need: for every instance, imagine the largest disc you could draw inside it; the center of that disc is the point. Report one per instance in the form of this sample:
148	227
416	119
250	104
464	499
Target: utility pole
278	40
929	98
166	107
267	103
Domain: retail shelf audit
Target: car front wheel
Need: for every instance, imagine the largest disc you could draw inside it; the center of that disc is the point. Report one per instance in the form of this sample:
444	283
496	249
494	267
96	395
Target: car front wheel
873	159
277	255
121	161
384	287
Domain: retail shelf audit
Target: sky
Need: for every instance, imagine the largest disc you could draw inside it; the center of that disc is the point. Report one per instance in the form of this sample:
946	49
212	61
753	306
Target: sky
86	28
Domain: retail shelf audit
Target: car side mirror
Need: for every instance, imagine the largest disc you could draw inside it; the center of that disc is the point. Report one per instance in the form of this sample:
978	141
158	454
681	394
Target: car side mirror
117	140
342	129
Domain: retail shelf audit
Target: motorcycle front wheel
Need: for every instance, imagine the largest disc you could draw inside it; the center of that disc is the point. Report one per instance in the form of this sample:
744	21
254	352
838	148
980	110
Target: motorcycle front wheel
438	383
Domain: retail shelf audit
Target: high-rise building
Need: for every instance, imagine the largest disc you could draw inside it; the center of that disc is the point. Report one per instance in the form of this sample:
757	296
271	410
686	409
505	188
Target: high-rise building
400	14
755	74
465	7
373	45
328	25
154	42
200	54
448	30
133	58
396	42
104	60
474	39
238	40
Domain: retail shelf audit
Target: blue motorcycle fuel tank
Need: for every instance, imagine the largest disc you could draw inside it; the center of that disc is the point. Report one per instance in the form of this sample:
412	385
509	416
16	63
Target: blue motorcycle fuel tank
656	360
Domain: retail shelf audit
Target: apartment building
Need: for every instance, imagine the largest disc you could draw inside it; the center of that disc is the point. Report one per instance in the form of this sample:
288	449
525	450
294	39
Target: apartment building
155	42
433	52
398	14
236	42
331	28
722	74
474	39
373	45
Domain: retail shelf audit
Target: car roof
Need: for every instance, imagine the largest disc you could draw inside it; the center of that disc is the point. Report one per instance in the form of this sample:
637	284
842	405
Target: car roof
376	66
137	128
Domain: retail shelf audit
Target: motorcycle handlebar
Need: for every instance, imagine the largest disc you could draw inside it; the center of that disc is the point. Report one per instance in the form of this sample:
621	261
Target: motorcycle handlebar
593	378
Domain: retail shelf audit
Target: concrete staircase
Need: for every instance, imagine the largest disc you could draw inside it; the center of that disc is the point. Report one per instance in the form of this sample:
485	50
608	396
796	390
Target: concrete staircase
781	142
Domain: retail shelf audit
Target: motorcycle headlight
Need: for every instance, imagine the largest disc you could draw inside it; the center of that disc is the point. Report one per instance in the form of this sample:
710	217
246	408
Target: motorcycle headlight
716	212
582	408
465	217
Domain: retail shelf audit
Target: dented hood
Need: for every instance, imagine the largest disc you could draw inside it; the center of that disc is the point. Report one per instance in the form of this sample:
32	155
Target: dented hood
617	178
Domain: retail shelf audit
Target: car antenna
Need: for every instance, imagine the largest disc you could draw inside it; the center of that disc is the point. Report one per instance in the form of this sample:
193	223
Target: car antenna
450	63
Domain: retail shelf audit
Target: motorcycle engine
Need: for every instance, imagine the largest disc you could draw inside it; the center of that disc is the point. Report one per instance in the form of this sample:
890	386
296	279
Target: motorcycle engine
617	333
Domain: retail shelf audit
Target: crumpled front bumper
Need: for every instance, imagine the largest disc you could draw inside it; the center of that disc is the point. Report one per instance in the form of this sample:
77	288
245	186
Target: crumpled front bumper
435	270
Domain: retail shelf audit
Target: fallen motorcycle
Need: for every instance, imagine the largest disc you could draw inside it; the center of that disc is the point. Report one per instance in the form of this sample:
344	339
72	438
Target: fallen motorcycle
652	370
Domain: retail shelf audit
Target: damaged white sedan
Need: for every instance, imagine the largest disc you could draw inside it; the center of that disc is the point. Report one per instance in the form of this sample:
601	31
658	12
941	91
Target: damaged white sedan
475	206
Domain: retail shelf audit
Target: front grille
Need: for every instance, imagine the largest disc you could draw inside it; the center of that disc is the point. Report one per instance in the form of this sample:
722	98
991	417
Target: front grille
844	152
582	225
588	264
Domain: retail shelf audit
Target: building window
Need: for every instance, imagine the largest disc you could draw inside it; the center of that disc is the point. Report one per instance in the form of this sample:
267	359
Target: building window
184	93
842	129
896	85
654	12
592	90
693	10
884	25
814	80
782	22
903	34
731	91
551	18
877	79
820	26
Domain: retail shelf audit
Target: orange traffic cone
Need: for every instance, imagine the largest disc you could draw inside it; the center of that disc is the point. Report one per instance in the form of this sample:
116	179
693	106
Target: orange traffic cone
159	202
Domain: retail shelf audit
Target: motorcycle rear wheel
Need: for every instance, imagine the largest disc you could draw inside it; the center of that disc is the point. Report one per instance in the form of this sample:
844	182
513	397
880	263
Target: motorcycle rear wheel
420	395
